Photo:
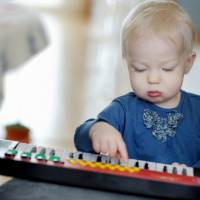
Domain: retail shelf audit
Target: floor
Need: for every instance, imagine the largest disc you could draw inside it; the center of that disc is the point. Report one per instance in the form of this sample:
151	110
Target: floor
70	81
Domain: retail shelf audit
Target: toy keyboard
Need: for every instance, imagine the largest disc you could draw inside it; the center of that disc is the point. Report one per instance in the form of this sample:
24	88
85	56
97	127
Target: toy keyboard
98	171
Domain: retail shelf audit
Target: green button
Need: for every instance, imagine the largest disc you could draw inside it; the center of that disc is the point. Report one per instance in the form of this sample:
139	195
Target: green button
54	158
11	152
40	156
26	155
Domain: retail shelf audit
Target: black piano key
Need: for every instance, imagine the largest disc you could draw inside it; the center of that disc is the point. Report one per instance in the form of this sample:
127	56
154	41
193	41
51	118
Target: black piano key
52	152
184	172
71	155
146	166
99	159
80	156
174	170
43	151
33	150
137	164
165	168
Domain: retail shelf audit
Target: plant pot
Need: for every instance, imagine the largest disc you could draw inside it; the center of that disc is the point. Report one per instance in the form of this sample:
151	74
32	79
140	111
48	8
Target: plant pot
17	132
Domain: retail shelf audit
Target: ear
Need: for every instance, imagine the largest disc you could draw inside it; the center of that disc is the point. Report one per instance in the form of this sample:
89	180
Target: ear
189	62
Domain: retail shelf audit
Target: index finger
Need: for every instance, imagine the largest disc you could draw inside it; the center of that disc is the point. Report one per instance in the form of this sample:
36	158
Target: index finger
121	147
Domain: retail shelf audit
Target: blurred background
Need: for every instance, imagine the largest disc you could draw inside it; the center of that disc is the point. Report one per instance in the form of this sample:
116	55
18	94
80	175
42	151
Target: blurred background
78	73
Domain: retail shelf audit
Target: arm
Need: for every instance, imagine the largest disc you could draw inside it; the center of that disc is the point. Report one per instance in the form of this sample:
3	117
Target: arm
113	119
82	140
105	138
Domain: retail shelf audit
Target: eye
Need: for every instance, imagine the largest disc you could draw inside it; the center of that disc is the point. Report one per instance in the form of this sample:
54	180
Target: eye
140	70
169	70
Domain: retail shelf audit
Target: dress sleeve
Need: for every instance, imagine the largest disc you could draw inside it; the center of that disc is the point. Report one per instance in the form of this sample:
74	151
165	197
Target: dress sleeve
113	114
197	164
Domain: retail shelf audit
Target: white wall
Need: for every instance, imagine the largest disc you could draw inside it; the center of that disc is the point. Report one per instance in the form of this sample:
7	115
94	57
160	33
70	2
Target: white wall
61	5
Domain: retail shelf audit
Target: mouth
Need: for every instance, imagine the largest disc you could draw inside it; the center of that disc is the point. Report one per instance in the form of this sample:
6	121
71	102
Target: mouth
154	93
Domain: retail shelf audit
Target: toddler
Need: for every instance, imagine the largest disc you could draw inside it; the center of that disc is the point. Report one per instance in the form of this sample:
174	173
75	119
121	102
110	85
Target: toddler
157	122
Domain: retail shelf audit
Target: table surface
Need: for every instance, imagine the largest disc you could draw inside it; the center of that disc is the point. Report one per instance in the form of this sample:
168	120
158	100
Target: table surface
4	179
19	189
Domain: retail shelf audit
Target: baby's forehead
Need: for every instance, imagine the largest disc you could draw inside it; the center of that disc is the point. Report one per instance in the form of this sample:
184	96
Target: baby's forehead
173	35
173	39
150	47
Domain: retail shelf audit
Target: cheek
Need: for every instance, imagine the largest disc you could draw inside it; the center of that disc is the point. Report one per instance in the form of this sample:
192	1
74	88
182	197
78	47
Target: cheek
137	81
174	82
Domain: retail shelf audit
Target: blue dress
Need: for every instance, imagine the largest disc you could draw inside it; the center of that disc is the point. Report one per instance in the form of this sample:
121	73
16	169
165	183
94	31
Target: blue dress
150	132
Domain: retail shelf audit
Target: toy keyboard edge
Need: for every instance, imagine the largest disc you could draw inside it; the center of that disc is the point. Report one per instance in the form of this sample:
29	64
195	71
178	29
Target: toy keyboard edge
97	180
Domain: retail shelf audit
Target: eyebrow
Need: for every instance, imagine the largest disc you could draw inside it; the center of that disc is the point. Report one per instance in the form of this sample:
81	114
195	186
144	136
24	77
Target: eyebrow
162	62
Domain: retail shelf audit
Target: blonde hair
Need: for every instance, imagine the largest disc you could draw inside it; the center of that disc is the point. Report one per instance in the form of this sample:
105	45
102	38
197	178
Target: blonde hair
161	17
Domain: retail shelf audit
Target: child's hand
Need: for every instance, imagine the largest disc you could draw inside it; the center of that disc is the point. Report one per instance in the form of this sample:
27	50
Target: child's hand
105	138
177	164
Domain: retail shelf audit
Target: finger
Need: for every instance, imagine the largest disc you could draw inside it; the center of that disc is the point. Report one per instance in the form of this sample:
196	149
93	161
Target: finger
183	165
104	147
112	149
118	155
175	164
121	147
96	146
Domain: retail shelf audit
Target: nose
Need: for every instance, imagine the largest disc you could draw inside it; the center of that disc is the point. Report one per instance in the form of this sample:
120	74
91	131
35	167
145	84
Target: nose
153	78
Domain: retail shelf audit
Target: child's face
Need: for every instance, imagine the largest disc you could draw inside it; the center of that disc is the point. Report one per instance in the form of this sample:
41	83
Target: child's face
157	67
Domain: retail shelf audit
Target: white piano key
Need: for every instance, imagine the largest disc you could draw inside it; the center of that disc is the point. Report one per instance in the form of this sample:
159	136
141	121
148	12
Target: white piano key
86	156
152	166
169	168
66	153
141	164
59	152
114	161
94	157
48	151
159	167
39	149
104	158
179	169
29	147
76	155
189	171
122	163
131	162
21	147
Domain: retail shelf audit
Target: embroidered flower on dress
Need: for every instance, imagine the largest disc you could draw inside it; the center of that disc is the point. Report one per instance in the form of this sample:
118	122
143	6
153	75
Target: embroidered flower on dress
162	126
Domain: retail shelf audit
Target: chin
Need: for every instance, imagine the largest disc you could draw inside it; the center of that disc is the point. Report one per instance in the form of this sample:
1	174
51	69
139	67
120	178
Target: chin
155	100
